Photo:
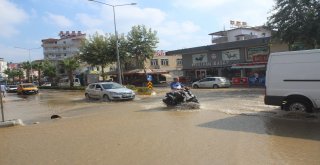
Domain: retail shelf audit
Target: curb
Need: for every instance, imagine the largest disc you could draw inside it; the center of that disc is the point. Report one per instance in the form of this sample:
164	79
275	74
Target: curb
10	123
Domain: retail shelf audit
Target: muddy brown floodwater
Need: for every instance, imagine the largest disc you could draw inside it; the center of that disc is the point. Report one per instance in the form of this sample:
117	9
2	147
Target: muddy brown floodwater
233	126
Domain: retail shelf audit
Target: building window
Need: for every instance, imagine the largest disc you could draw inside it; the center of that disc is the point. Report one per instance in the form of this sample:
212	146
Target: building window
64	42
154	62
179	61
65	54
165	62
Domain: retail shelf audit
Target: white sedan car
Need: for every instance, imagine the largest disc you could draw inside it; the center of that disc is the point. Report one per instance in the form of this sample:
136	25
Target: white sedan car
212	82
109	91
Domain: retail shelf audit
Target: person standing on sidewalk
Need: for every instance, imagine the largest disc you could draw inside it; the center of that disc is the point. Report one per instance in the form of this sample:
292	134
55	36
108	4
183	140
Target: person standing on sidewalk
3	90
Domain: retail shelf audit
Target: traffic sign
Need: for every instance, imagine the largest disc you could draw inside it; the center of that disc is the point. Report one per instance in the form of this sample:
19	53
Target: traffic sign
149	85
149	77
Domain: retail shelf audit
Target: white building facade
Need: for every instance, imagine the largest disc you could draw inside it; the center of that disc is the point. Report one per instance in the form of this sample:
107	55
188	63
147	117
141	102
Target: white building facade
67	46
239	34
3	67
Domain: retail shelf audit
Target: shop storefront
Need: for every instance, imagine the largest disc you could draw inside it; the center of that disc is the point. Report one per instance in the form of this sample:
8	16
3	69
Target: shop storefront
242	61
253	71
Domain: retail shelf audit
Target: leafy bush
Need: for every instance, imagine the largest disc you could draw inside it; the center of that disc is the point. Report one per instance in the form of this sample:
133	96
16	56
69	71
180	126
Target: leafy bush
132	87
144	91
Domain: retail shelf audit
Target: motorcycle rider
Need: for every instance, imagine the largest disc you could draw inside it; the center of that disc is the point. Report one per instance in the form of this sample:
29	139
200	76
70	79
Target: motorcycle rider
178	88
179	94
176	85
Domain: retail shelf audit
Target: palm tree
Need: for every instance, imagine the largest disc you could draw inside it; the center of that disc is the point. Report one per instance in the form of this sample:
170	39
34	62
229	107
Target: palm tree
39	67
70	65
49	70
19	74
27	66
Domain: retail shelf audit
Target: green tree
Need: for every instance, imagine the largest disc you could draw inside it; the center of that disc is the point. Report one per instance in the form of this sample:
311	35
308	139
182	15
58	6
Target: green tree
13	73
297	21
39	67
19	74
49	70
10	74
124	55
142	44
70	65
95	51
27	66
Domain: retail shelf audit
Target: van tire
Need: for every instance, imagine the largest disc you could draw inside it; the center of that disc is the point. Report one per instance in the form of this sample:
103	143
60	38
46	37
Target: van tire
298	105
215	86
195	86
105	97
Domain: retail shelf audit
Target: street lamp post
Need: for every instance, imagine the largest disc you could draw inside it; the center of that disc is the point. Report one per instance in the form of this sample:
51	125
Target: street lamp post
116	34
29	49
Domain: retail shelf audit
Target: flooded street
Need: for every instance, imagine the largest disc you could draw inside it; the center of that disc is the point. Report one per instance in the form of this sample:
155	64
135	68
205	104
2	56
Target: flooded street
232	126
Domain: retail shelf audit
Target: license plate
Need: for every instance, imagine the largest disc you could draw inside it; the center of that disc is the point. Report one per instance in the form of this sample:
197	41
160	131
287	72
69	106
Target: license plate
126	95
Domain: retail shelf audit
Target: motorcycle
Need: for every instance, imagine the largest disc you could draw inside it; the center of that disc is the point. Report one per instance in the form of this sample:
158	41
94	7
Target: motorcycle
180	97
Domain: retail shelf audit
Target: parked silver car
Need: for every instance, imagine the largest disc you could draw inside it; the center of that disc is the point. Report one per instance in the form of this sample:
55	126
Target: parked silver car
212	82
12	88
109	91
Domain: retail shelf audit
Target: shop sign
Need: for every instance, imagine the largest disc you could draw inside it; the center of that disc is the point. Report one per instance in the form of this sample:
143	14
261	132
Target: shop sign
240	80
231	55
260	58
261	50
199	58
214	63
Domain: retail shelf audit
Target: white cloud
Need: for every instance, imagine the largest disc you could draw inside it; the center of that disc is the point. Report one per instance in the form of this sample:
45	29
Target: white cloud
253	12
59	20
176	28
88	21
11	54
169	32
199	4
10	17
128	16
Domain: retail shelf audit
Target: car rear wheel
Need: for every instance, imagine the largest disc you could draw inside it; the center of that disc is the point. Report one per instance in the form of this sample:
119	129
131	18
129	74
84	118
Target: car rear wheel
298	105
105	97
215	86
195	86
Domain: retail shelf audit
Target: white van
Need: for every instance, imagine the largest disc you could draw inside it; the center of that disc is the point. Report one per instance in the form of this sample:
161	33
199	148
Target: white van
66	83
293	80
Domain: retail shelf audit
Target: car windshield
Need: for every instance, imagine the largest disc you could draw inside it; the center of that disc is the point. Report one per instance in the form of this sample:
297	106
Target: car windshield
112	86
12	86
28	86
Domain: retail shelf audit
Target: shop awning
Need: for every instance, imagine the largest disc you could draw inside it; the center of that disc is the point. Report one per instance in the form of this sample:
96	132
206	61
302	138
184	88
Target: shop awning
168	77
248	65
141	72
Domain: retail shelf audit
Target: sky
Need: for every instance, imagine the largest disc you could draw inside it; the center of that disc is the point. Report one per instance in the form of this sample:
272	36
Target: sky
179	23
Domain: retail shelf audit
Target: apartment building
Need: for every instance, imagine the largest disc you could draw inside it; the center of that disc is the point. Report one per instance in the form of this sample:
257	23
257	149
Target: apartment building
66	46
239	34
172	63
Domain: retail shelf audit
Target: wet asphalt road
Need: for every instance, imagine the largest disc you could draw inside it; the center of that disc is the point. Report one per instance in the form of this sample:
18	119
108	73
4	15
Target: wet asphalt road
232	126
